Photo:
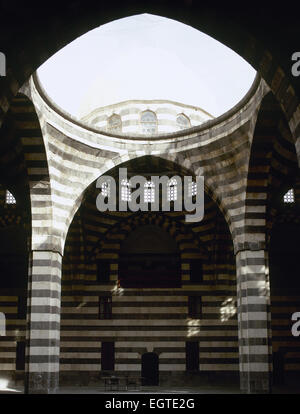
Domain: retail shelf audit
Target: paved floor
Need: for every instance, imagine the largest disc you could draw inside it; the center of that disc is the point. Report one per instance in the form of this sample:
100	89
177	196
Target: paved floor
224	389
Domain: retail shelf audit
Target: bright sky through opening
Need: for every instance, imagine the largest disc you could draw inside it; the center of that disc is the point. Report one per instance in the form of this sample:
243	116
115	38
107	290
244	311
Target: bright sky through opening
145	57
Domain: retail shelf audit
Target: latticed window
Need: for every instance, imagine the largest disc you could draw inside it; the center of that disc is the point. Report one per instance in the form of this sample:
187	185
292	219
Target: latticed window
192	355
105	307
20	356
172	190
183	121
103	271
125	190
196	272
148	122
114	123
192	189
10	199
289	197
149	190
195	307
108	356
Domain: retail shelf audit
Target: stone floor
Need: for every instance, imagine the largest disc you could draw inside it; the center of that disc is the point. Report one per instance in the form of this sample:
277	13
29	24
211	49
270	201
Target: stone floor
218	389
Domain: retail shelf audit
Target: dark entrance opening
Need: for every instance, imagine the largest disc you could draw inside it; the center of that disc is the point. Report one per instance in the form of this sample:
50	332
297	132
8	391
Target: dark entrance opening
150	371
278	367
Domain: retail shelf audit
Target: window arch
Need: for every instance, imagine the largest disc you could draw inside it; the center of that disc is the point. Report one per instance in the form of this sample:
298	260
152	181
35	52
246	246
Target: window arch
114	123
149	191
183	122
148	122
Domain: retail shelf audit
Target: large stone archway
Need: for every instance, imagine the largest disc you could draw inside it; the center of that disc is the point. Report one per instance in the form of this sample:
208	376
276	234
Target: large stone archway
245	36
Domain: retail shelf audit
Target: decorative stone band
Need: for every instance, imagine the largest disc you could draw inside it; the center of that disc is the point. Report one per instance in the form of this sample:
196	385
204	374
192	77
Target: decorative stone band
43	322
253	302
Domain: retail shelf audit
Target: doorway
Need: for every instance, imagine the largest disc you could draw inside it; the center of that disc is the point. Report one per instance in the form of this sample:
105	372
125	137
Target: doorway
150	369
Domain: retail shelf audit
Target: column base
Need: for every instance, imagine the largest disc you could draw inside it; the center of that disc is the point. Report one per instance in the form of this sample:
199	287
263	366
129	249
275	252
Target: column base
255	383
41	383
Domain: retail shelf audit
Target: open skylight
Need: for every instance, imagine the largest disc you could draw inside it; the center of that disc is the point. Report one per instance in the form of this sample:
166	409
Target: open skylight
145	57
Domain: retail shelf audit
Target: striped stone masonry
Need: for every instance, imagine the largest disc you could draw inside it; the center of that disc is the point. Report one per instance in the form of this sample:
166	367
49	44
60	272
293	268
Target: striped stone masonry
253	305
220	152
43	323
65	157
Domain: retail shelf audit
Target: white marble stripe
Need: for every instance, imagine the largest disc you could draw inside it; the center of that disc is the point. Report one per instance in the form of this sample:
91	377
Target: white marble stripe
45	317
47	350
251	254
42	255
54	270
53	286
253	316
43	334
254	367
253	300
38	301
43	367
255	349
7	354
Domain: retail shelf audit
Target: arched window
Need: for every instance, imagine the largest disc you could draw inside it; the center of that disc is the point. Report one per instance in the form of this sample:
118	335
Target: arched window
10	199
114	123
289	197
148	122
172	190
125	190
149	190
183	122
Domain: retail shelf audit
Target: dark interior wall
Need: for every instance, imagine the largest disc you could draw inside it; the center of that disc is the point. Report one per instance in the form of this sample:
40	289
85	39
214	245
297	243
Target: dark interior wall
149	257
285	285
13	247
13	284
284	257
13	259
